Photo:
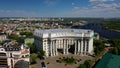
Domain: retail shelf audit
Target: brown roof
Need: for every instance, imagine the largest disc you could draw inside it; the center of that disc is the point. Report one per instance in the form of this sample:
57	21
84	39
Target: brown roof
25	52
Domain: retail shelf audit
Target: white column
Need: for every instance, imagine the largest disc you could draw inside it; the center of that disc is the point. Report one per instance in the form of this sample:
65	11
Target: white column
56	47
51	49
78	47
81	46
63	46
75	46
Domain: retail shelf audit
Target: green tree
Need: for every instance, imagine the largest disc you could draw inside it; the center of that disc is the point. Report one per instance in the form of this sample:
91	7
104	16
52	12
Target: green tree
88	63
99	47
115	50
33	59
82	66
18	39
32	47
41	53
28	34
115	43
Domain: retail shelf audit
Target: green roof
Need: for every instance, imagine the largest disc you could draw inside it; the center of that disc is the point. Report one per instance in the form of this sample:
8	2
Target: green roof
109	61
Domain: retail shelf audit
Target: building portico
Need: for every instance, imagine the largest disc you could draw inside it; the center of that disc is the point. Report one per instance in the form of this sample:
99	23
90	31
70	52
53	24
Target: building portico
66	43
79	42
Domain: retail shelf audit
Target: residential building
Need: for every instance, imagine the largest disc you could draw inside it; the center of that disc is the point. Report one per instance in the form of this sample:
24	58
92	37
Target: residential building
11	52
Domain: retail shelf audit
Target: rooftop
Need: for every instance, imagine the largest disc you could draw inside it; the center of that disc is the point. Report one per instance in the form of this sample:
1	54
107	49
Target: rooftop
64	30
9	45
109	61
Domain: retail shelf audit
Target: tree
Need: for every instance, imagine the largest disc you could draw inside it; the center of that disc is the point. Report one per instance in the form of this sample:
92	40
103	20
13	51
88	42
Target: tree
33	59
88	63
21	64
99	47
82	66
18	39
28	34
41	53
115	50
116	46
96	50
32	47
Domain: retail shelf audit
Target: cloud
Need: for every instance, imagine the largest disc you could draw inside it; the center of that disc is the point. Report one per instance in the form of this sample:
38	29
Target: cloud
103	5
16	13
73	3
76	8
50	3
100	0
99	10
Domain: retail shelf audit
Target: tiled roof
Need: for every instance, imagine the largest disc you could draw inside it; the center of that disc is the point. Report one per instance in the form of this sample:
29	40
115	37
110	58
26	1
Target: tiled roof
25	52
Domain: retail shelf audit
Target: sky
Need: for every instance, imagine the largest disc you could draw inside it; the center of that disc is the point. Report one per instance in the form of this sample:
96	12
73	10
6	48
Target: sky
60	8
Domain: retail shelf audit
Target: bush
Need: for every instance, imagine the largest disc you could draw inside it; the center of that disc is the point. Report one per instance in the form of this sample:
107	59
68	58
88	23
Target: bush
87	64
69	60
32	47
28	34
99	47
33	59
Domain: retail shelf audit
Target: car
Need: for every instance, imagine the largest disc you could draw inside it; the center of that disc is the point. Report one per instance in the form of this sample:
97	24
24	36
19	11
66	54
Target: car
43	65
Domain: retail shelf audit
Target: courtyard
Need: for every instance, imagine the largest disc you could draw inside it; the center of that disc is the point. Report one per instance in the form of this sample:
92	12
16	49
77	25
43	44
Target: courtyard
52	62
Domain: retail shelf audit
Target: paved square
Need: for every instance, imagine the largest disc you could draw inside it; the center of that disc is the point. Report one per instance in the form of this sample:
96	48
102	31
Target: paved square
51	61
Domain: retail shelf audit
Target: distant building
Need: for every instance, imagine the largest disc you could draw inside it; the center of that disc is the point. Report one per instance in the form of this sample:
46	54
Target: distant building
11	52
77	41
107	44
2	37
96	36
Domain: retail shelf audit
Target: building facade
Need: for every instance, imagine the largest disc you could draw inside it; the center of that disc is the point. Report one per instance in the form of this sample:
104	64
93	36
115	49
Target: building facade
11	52
76	41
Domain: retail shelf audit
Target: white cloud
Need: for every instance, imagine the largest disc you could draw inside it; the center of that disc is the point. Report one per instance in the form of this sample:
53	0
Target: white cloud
73	3
103	5
76	8
50	3
100	10
100	0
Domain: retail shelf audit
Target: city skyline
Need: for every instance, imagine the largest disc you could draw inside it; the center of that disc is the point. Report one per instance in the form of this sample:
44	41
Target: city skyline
60	8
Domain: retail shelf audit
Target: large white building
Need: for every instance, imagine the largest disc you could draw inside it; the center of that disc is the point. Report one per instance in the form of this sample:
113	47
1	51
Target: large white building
76	41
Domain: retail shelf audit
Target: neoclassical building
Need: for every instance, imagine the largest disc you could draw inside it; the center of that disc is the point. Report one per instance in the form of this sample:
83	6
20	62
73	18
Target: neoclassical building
76	41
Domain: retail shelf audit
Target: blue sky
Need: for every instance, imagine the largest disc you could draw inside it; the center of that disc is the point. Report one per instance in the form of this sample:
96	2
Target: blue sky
60	8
